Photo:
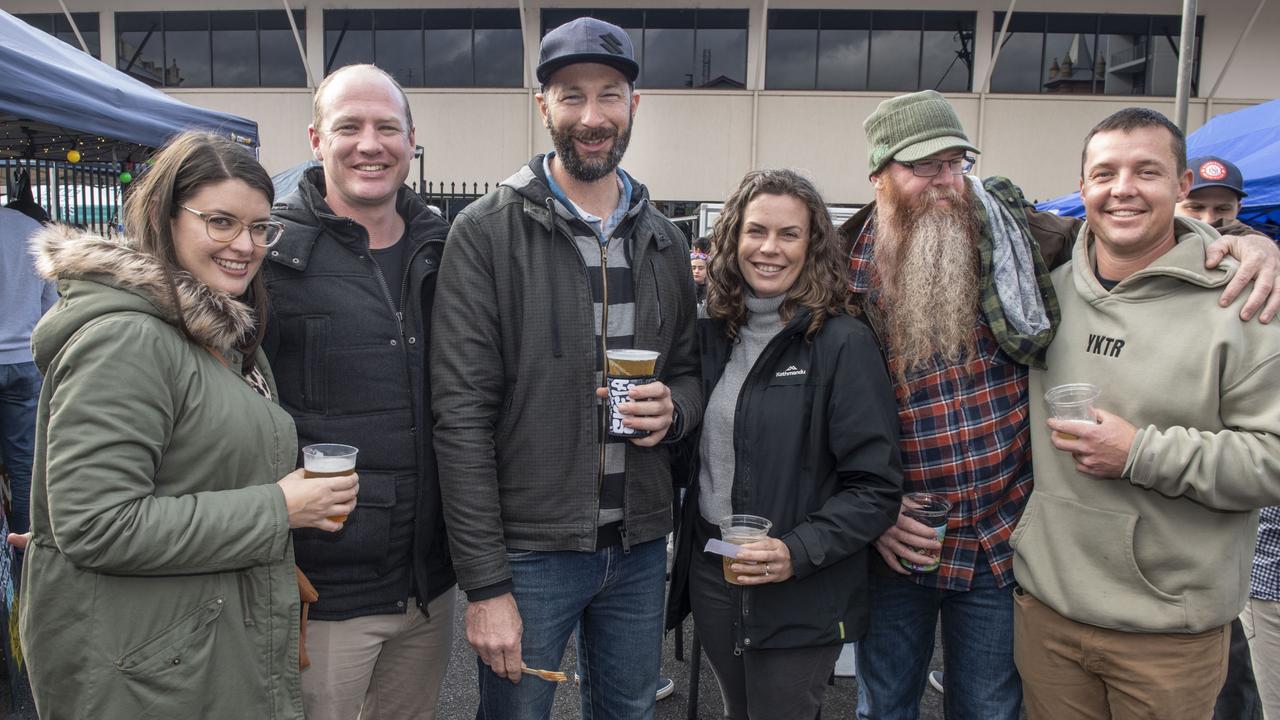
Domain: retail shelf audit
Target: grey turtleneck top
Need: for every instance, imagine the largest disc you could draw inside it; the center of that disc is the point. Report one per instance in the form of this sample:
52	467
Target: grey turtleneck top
715	478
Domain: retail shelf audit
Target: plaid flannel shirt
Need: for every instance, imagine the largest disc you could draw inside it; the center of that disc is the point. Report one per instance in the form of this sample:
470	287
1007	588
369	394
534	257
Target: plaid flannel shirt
965	434
1265	583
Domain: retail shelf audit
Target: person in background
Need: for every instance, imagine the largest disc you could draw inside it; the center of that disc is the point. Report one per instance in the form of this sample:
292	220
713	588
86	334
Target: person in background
1217	187
1262	612
25	297
699	258
801	429
159	579
351	285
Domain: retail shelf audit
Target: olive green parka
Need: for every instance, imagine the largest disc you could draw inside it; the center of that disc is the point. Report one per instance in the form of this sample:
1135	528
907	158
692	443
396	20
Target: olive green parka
159	582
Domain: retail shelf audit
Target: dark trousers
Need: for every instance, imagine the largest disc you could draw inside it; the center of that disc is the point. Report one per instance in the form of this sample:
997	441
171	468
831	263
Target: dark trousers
1238	699
772	684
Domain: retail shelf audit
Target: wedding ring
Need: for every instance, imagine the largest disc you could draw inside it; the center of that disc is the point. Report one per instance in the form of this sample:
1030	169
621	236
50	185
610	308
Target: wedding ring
766	569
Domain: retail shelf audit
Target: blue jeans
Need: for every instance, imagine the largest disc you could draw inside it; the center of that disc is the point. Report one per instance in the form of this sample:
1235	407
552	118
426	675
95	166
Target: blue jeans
977	643
19	395
615	601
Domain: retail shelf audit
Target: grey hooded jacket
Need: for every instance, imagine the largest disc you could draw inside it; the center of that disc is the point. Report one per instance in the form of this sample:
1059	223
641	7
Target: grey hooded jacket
513	363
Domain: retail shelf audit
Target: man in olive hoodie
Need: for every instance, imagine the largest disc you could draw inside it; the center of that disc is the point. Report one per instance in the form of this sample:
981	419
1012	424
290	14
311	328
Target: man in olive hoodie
1133	554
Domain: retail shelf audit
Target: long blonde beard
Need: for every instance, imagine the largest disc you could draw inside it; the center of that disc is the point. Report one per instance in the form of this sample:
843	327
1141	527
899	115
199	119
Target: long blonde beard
927	261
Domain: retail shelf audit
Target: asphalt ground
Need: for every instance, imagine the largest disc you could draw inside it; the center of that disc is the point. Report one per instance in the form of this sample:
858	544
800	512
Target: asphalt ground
458	696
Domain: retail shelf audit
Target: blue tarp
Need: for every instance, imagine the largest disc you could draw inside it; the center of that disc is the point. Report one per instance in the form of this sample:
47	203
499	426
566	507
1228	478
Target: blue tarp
1250	138
49	90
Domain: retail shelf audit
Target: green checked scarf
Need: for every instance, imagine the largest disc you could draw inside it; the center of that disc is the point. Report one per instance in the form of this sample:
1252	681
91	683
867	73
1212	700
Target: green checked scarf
1017	296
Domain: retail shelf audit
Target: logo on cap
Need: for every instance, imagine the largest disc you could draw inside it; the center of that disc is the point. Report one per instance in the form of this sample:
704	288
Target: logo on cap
1213	170
611	44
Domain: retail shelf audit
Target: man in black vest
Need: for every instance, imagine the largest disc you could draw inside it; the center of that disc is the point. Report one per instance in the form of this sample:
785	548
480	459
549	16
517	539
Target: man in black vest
351	285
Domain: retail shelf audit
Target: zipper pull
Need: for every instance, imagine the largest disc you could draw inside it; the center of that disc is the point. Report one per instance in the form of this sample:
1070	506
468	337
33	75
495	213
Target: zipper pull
626	542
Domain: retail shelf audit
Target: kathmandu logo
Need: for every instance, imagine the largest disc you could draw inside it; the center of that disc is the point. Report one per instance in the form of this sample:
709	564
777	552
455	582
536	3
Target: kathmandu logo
611	44
1213	170
791	371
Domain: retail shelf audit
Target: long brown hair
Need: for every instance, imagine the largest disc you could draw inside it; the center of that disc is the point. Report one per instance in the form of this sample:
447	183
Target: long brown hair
188	162
822	286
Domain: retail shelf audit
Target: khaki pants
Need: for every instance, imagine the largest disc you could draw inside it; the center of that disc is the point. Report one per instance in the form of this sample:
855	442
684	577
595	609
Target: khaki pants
379	667
1261	620
1072	671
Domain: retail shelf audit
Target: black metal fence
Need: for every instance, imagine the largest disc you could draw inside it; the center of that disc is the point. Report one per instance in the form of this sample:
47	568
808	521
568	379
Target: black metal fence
451	198
84	194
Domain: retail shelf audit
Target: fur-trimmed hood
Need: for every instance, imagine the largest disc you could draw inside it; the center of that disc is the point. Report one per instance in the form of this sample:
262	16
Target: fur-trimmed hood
97	276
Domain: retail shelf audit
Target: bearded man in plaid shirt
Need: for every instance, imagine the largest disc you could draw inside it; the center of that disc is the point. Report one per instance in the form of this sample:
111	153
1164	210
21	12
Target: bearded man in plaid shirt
953	275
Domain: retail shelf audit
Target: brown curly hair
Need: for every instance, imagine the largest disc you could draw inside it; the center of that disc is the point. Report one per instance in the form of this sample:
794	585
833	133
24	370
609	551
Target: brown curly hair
822	286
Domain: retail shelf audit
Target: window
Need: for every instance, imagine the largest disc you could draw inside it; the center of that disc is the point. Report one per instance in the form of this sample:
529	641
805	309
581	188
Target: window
429	48
677	48
1091	54
56	25
869	50
234	48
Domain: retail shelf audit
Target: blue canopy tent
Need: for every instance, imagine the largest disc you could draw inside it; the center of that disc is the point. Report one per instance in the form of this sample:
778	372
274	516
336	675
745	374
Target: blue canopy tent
1250	138
54	98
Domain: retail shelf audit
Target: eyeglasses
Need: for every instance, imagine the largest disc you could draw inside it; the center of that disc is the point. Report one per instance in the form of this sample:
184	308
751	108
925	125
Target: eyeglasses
930	168
225	228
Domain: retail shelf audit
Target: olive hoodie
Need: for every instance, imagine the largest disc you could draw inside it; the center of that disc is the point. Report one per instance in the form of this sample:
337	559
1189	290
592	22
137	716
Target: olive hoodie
1168	546
159	581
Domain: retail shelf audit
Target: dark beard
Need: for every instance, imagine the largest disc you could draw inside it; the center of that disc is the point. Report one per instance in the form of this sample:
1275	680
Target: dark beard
583	169
926	258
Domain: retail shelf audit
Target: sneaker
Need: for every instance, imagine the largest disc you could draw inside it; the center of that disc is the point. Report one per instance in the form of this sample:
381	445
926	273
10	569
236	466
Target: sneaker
935	680
666	686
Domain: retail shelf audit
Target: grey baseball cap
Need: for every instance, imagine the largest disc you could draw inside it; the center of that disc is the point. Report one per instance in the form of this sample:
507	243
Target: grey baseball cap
587	40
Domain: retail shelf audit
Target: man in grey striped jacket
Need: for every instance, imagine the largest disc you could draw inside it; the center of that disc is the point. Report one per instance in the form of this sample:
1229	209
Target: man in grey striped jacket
554	524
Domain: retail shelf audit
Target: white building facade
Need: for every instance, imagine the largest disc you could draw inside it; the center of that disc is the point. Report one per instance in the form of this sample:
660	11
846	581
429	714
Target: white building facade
726	86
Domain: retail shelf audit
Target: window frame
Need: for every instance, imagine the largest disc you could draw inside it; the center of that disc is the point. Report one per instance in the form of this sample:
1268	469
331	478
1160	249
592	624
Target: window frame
209	29
479	18
871	21
701	19
1100	21
50	22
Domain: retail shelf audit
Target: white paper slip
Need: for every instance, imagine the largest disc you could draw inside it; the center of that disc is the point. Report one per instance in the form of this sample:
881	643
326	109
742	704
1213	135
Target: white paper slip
720	547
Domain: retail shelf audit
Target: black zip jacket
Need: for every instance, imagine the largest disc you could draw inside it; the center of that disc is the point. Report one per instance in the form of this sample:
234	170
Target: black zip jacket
816	450
351	368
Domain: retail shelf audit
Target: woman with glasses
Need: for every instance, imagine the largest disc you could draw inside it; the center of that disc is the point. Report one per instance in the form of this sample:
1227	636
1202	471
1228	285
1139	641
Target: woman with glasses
800	429
159	578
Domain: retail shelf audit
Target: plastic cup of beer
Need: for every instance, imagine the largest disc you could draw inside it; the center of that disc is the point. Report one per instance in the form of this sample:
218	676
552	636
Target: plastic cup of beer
627	369
1073	402
329	460
741	530
930	509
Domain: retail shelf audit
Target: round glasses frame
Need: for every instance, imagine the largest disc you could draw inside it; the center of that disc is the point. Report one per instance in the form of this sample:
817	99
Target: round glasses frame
226	228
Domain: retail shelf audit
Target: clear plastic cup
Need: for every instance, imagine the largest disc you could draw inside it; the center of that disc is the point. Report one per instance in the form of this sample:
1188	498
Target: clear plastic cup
741	530
329	460
930	509
1073	402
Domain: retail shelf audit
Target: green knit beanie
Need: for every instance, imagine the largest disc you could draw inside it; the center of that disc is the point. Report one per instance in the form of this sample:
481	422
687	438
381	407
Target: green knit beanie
912	127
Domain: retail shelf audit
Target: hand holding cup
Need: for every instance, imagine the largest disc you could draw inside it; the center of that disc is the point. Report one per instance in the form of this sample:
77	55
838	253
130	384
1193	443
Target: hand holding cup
1073	402
914	542
314	502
